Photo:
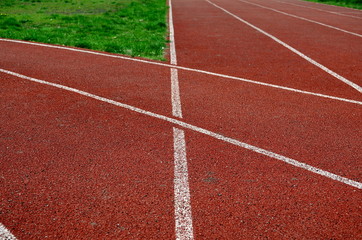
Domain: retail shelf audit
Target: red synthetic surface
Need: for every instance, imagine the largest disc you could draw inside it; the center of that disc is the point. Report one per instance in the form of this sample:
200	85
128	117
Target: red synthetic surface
346	23
226	45
76	168
241	195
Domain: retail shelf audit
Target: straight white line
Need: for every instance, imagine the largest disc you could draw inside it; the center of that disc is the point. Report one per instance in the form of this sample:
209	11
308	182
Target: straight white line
197	129
175	89
172	35
175	94
346	81
183	216
5	234
318	9
302	18
186	69
353	12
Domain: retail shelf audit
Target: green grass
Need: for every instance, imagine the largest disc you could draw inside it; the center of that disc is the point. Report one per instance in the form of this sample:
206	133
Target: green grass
343	3
130	27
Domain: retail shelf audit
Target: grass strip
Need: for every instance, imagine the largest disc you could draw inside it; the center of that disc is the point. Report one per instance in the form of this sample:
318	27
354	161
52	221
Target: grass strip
132	27
357	4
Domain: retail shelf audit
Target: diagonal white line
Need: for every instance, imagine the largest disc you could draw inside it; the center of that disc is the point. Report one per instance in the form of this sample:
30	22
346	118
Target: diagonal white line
197	129
186	69
5	234
318	9
302	18
333	6
327	70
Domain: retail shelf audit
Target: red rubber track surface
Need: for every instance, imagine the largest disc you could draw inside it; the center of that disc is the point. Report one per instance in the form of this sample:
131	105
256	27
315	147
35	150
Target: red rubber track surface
340	21
228	46
240	195
309	129
76	168
257	197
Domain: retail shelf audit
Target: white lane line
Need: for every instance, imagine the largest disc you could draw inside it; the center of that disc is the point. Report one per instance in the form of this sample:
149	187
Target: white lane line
172	35
353	12
318	9
186	69
327	70
302	18
196	129
175	94
183	216
5	234
175	89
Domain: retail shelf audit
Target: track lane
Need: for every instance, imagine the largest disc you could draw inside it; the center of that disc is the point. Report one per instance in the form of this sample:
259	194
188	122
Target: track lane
210	135
348	14
331	9
331	49
271	162
294	50
231	228
64	178
177	67
351	25
321	133
318	8
127	82
196	129
239	195
117	79
244	52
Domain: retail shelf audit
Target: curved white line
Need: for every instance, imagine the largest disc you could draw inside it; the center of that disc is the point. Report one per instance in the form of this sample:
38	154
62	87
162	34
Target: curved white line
197	129
185	69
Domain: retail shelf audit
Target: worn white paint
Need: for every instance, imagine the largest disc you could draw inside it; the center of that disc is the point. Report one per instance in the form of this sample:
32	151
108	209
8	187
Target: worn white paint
183	213
5	234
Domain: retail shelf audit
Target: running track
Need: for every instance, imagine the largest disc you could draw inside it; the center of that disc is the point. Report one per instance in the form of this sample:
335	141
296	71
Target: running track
252	130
